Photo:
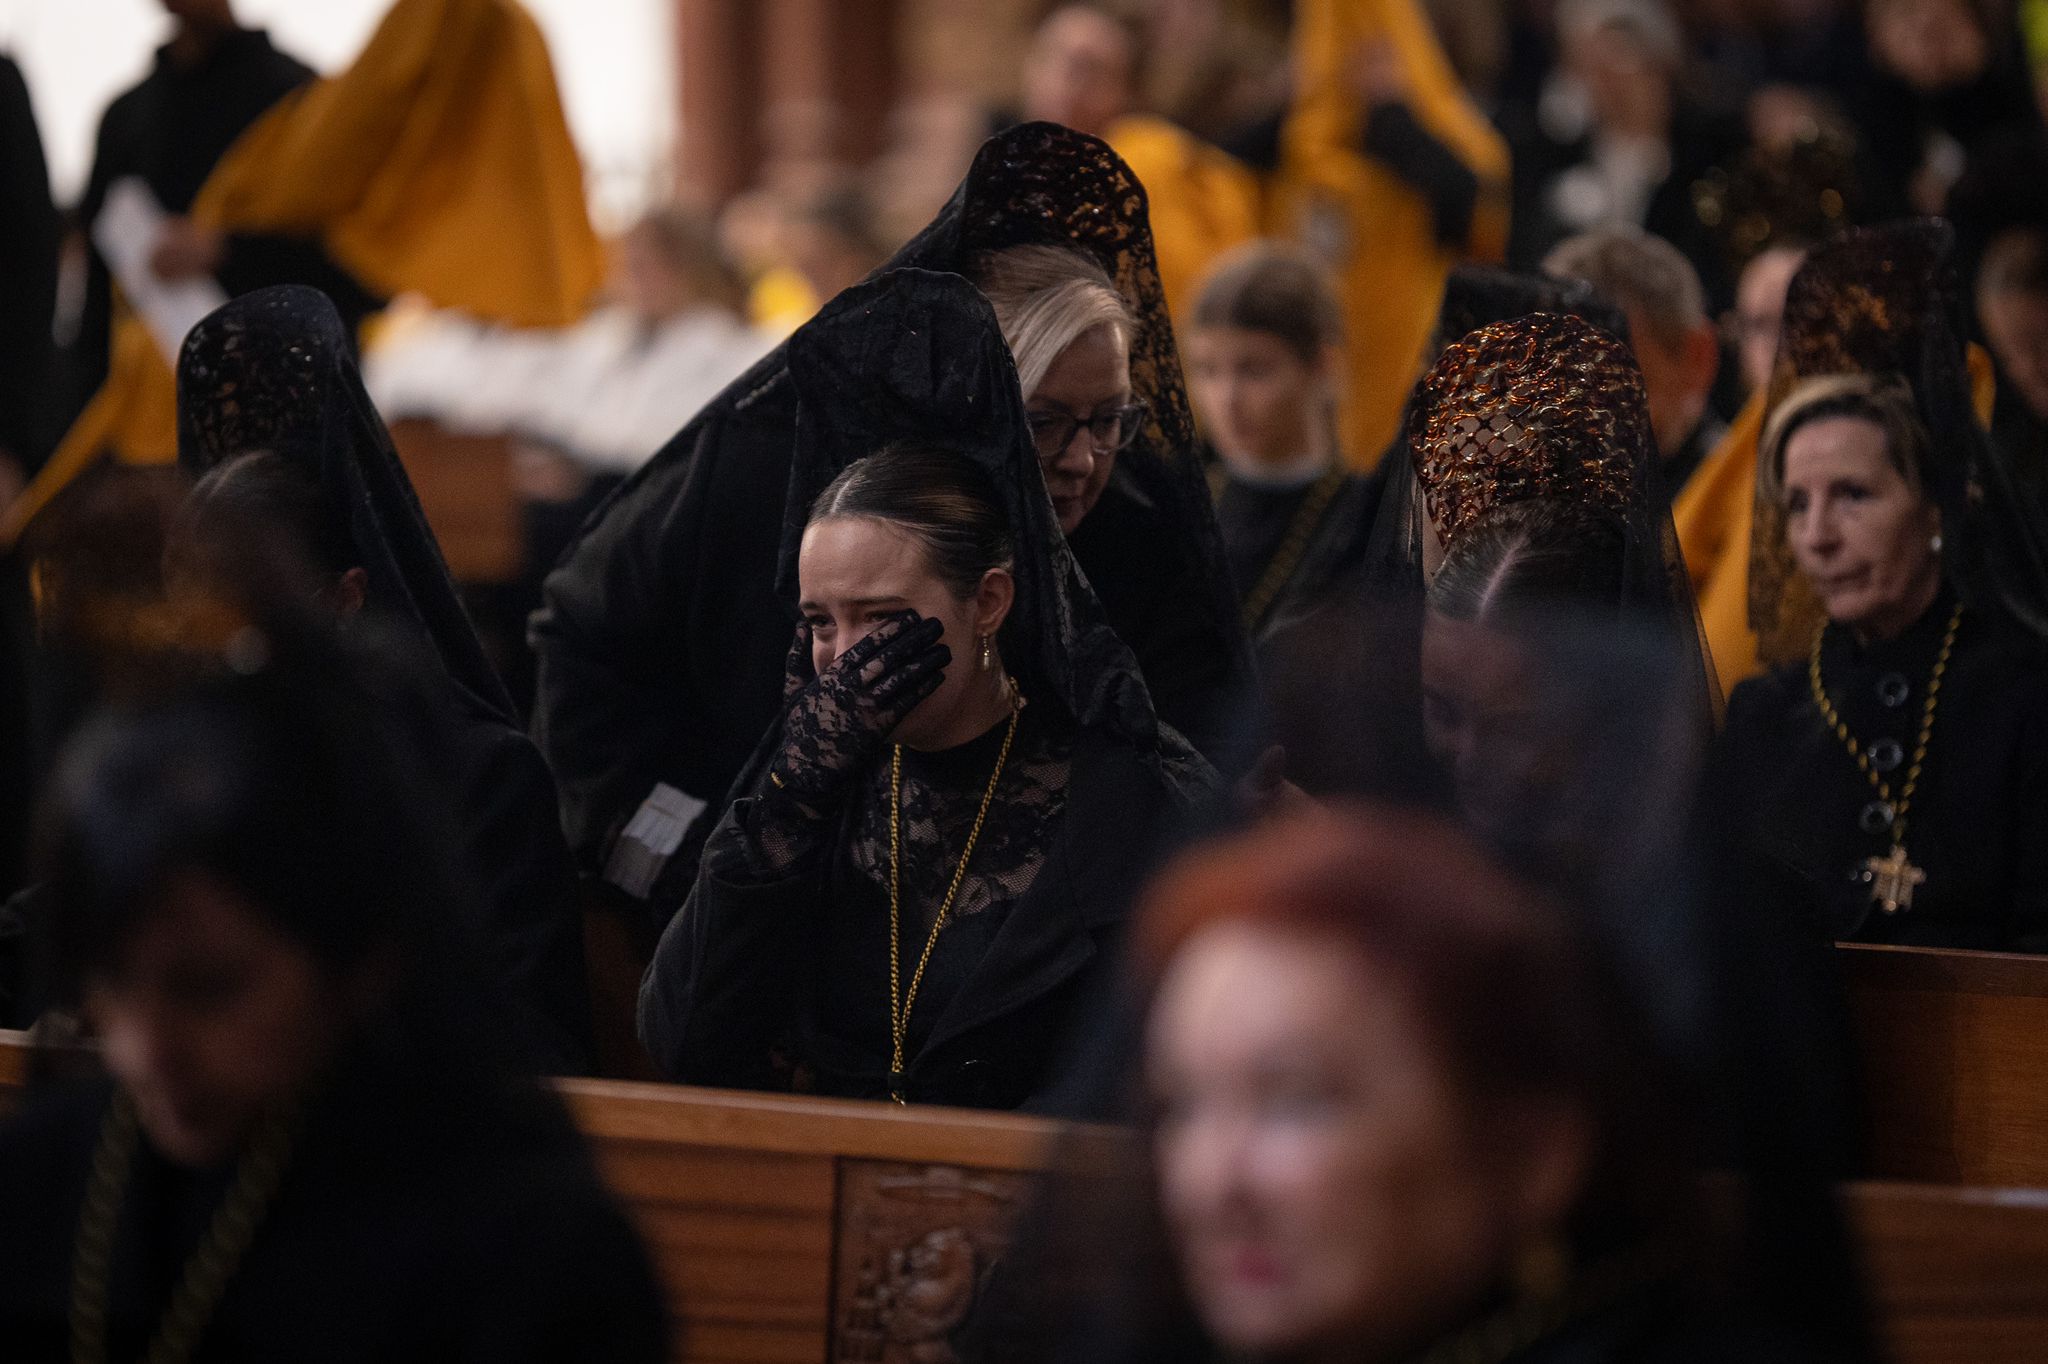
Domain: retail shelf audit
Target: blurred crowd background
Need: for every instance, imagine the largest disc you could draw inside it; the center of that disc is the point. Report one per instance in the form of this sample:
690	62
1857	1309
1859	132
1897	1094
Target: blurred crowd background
743	163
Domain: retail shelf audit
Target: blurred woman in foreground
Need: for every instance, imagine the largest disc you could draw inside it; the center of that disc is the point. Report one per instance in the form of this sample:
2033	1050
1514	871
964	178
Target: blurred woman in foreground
306	1148
1396	1105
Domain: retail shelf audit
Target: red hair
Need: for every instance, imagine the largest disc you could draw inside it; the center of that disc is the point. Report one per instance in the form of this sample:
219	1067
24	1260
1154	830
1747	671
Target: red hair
1513	995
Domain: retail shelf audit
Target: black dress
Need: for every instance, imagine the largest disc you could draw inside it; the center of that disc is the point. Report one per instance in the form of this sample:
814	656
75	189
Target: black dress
468	1225
776	972
1978	818
274	370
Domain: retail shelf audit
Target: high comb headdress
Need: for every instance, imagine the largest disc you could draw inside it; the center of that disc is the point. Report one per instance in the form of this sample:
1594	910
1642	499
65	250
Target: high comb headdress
1546	405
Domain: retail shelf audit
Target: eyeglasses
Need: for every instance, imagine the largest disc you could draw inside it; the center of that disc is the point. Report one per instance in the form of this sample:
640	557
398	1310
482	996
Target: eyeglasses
1053	432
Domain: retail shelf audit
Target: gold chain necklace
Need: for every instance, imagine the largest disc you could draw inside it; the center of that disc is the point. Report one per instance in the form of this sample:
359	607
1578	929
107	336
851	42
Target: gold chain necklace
899	1003
213	1263
1279	570
1892	878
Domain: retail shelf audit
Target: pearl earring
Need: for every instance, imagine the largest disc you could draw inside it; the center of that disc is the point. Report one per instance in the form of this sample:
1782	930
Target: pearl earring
1937	542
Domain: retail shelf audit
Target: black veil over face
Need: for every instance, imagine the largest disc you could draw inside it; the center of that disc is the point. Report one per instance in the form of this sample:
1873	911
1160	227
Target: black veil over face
913	354
1886	300
645	678
274	371
1600	709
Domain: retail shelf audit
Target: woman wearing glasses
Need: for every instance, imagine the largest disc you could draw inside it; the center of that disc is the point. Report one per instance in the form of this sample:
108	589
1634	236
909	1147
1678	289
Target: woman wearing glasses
661	639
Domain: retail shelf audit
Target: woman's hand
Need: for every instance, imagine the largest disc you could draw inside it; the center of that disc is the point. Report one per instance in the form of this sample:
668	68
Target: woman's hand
838	720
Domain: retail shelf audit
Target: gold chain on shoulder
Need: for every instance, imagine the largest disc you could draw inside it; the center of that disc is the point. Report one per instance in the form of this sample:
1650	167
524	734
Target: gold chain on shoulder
1280	569
1835	723
213	1263
900	1004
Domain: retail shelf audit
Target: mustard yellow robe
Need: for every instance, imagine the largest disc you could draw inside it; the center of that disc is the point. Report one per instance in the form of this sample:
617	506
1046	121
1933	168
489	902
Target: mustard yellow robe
1378	233
438	163
1202	200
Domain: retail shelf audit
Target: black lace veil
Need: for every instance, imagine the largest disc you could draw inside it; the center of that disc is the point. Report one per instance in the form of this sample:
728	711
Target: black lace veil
1475	296
918	355
645	679
1886	300
1043	184
274	370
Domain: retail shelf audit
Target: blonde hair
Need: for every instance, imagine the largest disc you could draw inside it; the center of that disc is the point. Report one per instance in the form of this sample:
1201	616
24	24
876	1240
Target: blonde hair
1045	299
1884	399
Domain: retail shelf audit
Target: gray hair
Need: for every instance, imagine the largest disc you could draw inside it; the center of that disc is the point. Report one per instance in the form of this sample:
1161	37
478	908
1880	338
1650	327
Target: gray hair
1046	298
1643	275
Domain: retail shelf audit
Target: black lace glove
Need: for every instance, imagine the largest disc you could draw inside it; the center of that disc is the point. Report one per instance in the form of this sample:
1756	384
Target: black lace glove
837	721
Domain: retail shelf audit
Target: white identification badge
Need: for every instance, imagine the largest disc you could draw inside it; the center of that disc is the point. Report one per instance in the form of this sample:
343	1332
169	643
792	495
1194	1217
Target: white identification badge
649	838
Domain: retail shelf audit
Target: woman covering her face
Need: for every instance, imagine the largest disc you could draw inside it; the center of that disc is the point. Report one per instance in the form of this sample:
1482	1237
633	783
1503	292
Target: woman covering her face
931	854
1887	773
308	1146
660	639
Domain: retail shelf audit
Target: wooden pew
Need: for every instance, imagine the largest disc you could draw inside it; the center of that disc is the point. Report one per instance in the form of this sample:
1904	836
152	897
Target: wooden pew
1954	1051
806	1230
786	1228
465	487
1957	1276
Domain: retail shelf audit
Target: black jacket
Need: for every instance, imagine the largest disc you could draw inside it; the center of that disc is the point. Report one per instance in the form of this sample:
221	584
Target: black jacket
171	130
1978	817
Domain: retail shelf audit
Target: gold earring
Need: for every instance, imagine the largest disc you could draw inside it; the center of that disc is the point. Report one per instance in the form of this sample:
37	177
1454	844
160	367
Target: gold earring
988	654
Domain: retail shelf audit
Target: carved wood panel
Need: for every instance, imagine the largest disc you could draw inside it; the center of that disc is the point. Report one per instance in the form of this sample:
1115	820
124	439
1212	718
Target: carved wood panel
915	1244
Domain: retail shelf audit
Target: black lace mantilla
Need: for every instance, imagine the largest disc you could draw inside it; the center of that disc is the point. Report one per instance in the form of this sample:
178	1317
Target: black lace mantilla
275	371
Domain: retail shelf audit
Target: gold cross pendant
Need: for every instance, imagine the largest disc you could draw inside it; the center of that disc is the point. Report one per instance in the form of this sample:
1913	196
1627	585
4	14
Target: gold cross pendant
1893	880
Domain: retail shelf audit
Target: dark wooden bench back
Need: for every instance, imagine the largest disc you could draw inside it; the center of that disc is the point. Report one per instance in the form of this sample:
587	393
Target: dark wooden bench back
808	1230
1955	1063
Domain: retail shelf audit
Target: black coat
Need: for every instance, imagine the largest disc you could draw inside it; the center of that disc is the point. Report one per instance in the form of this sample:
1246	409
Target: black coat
1978	820
1257	523
403	1231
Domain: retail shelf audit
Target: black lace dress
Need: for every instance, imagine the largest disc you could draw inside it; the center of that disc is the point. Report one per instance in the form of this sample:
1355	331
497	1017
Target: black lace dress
776	972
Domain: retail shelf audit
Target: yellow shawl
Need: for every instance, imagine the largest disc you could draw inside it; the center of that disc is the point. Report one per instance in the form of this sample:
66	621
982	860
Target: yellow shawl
1202	202
438	163
1378	232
